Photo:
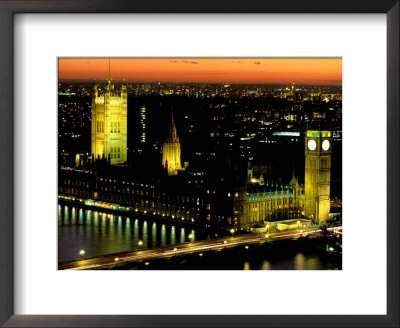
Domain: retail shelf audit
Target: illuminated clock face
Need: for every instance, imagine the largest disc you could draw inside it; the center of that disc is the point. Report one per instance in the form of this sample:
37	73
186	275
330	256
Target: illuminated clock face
325	145
312	144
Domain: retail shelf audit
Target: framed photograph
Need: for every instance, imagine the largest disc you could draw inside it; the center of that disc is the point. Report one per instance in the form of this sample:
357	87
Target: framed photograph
199	163
208	164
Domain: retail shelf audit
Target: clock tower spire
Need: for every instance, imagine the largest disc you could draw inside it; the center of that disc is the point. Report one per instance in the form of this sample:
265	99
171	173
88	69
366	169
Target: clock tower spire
318	151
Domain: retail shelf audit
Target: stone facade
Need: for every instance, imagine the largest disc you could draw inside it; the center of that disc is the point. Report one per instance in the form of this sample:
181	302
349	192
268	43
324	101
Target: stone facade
318	152
109	124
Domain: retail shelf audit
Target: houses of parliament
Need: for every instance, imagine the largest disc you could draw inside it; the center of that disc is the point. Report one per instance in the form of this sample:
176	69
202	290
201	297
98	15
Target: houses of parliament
179	193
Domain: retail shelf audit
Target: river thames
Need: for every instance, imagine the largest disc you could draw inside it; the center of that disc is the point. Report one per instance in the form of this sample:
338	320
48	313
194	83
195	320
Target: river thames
99	234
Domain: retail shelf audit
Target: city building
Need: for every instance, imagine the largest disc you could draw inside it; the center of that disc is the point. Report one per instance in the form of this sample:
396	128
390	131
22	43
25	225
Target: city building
143	124
109	123
171	158
272	202
318	152
224	203
228	200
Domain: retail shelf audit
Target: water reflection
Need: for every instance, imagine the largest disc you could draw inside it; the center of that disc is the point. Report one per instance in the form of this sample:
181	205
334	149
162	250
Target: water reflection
100	233
128	230
182	239
265	265
153	235
66	213
88	217
120	231
73	215
80	216
163	235
299	261
136	232
59	213
144	234
173	237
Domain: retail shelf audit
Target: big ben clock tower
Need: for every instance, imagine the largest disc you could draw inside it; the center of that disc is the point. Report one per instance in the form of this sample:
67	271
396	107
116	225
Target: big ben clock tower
318	151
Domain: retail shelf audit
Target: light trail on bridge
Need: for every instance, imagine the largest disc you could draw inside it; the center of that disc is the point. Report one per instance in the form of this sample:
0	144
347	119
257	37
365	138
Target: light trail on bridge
104	262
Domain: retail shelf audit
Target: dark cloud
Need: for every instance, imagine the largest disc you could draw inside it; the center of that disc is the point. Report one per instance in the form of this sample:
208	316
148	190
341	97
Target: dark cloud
173	61
257	63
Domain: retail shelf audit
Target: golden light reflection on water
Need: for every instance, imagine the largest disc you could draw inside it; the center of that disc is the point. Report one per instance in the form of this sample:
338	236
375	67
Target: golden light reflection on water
128	229
299	262
163	235
89	217
145	245
173	236
73	215
119	227
302	262
182	240
313	263
153	235
265	265
136	232
104	233
80	216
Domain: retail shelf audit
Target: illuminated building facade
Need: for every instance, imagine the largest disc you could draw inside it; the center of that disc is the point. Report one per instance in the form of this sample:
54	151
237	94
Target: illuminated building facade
318	151
221	207
171	159
271	203
240	202
143	124
109	123
141	195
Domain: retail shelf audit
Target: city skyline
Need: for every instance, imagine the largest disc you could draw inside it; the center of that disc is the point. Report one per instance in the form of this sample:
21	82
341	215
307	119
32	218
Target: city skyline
321	71
208	175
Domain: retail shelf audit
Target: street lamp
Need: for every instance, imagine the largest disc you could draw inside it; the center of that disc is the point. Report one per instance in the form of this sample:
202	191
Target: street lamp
140	244
190	237
232	231
82	252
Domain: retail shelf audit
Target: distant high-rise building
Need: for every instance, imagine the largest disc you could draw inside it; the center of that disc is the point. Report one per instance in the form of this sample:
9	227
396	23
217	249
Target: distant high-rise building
318	151
143	124
171	159
109	123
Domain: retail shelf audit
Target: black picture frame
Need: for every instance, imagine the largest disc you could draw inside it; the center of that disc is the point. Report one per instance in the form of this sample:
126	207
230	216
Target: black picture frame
10	7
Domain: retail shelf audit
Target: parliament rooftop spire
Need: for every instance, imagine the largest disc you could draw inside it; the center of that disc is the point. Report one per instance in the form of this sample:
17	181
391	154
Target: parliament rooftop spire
109	123
171	159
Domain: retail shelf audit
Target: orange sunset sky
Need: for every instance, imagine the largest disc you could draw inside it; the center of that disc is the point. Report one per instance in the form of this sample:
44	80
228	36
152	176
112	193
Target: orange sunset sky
223	70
